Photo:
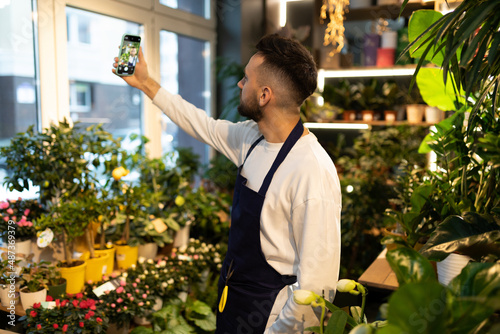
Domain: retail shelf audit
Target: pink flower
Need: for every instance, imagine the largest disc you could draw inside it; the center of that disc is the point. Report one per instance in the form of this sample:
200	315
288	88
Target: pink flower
119	300
123	283
10	211
6	218
134	285
129	295
141	304
131	299
114	275
136	290
144	296
113	305
4	205
26	212
124	308
137	280
119	290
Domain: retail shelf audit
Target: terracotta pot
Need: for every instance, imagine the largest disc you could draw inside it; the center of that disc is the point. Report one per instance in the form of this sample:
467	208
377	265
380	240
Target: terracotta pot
367	115
390	116
349	115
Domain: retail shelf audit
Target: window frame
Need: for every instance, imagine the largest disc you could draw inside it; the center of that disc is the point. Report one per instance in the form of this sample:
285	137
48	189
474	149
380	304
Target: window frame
53	61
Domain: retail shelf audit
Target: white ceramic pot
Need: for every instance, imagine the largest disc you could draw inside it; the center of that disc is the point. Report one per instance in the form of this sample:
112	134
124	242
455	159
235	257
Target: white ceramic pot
415	113
433	115
148	251
30	298
9	294
450	267
182	237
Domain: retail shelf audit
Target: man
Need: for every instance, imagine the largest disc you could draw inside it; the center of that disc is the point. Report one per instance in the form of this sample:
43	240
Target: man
285	220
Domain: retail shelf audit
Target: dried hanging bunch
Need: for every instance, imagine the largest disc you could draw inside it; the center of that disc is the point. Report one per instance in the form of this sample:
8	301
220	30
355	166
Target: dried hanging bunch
334	33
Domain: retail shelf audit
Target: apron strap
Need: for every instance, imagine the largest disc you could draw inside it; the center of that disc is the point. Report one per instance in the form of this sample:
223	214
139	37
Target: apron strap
255	143
293	137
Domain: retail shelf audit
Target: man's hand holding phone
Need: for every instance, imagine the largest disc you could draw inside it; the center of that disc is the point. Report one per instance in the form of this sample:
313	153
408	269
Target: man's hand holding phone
140	79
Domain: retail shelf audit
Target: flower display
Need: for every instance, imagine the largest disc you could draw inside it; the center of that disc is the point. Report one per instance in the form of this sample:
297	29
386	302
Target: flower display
76	314
23	213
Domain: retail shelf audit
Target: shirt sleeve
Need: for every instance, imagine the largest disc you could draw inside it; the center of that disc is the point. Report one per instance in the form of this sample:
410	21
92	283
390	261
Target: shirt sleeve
224	136
316	225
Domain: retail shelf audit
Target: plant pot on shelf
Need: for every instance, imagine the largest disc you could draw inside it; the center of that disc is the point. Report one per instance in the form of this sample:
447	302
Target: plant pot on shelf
110	260
349	115
57	291
29	298
9	294
96	267
148	251
433	115
450	267
74	275
390	116
126	255
415	113
368	115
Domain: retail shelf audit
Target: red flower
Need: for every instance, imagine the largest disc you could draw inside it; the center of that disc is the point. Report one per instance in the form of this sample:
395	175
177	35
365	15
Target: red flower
33	314
64	302
49	298
56	326
79	295
83	304
91	313
75	303
37	305
38	326
58	302
80	324
87	316
65	328
99	320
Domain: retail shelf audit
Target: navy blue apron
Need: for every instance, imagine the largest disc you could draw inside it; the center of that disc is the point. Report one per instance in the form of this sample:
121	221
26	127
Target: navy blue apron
252	284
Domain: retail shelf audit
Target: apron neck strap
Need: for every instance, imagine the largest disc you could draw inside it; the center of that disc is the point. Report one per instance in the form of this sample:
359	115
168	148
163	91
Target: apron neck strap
292	138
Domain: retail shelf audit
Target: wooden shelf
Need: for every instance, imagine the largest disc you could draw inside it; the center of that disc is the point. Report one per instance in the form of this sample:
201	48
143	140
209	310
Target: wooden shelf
369	123
19	309
379	274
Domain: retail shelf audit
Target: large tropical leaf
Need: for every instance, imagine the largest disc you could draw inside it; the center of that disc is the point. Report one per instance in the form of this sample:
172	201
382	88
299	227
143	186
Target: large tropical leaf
470	234
410	266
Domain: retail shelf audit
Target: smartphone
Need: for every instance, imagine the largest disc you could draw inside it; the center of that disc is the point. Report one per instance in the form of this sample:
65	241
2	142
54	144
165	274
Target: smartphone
129	52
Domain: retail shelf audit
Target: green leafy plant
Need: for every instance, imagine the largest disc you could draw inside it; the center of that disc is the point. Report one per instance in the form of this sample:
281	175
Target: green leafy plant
191	316
422	304
343	95
339	321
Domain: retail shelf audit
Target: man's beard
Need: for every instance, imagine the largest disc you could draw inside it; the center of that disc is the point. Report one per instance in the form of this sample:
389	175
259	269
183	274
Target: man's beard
250	110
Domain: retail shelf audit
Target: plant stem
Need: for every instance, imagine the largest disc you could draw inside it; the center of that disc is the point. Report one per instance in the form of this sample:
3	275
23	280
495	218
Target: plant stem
90	243
363	302
322	319
67	251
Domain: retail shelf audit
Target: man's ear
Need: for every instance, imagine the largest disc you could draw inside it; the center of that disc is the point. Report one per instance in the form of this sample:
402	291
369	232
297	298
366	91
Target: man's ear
265	96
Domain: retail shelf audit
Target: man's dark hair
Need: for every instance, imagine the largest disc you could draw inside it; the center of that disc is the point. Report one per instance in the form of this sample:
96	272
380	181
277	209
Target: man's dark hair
292	61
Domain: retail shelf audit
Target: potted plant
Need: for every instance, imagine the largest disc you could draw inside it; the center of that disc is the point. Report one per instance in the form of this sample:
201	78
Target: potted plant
369	99
391	97
10	280
344	95
34	285
78	314
16	219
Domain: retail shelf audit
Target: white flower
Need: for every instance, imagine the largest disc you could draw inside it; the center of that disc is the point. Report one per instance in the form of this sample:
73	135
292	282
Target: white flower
125	275
164	284
170	281
304	297
142	259
182	249
346	285
150	261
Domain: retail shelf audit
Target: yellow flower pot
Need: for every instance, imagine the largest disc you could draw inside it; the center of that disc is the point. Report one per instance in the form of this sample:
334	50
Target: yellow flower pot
75	277
126	256
96	267
110	260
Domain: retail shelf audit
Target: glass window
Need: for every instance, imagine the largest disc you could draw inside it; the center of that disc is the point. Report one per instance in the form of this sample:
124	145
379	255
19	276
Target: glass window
197	7
19	91
190	78
96	94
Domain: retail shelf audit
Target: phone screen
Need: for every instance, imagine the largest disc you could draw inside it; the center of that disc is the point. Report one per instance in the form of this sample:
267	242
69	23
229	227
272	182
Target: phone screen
129	50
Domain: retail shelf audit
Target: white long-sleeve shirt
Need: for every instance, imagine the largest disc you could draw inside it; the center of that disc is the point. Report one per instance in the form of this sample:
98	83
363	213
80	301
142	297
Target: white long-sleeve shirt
300	219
